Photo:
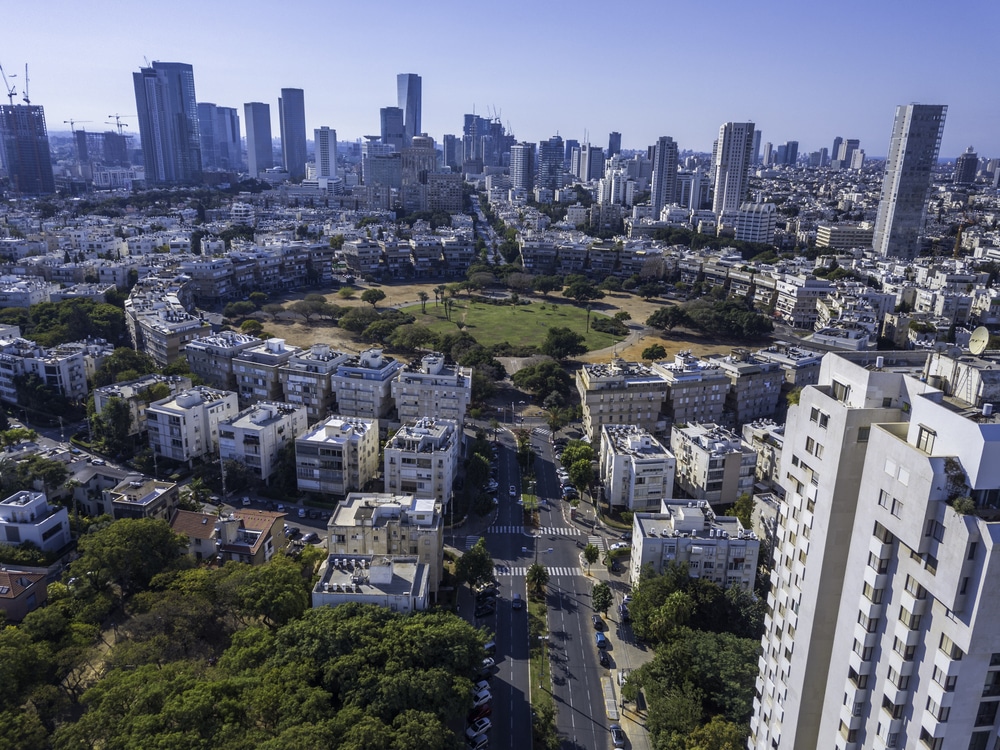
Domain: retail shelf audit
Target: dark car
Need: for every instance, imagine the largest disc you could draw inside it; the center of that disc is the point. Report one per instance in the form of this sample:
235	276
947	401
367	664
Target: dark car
516	602
311	538
486	594
604	658
598	622
623	612
485	609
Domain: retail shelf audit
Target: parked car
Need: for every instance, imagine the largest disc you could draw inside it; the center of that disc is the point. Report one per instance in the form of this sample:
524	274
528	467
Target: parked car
485	595
479	726
481	698
621	545
603	657
311	538
598	622
479	712
489	663
602	641
480	686
246	501
485	609
617	735
623	612
292	531
479	742
490	648
302	512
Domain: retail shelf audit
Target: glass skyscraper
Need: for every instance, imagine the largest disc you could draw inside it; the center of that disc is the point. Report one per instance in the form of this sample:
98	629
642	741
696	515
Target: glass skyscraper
168	123
260	154
292	116
408	94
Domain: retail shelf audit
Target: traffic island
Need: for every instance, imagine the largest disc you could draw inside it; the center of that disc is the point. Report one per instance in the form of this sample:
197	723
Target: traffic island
543	716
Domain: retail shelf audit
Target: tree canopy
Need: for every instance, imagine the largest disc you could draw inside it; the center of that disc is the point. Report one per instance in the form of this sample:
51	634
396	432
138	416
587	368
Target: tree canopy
561	343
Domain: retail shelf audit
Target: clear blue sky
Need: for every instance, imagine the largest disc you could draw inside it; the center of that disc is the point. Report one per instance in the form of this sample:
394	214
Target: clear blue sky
803	71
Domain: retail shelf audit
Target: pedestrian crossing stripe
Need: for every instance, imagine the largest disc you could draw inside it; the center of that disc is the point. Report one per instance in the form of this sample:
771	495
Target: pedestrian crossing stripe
521	571
470	542
597	542
544	531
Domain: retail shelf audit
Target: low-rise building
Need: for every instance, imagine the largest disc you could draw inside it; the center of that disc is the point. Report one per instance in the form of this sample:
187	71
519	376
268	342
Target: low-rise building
198	528
387	524
636	471
186	426
796	299
139	496
250	536
432	389
713	463
799	365
400	583
256	369
337	455
305	379
21	592
622	392
844	236
255	436
138	394
422	459
767	439
688	533
754	386
696	389
26	516
211	357
363	385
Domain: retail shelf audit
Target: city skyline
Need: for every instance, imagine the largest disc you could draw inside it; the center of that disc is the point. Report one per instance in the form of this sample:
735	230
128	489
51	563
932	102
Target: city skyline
846	83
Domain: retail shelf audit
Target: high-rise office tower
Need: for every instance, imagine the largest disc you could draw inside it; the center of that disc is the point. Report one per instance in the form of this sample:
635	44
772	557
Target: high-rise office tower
846	151
836	147
664	185
550	171
768	154
420	159
408	95
326	152
571	145
824	157
292	118
452	152
791	153
260	153
881	628
168	123
220	137
731	166
522	166
26	149
966	167
913	151
591	163
614	143
393	131
756	147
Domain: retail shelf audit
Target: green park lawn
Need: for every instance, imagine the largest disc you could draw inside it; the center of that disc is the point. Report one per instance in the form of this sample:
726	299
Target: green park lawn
520	325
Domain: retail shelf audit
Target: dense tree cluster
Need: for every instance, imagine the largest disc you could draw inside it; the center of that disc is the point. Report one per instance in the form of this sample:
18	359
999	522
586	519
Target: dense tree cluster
54	323
724	318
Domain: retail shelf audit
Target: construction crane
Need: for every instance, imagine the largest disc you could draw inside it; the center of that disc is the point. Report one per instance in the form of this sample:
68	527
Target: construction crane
118	121
72	122
11	91
25	98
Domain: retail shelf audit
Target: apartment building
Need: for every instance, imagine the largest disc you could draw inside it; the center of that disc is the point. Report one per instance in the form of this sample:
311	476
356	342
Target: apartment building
305	379
844	236
211	357
696	389
796	299
363	385
390	524
622	392
754	386
767	439
636	471
432	389
27	516
139	496
255	436
396	582
800	366
422	459
713	463
337	456
185	427
256	370
689	533
158	322
138	394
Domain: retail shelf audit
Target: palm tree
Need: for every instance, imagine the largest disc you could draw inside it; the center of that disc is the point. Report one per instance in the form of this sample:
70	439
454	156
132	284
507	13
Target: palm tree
423	297
537	579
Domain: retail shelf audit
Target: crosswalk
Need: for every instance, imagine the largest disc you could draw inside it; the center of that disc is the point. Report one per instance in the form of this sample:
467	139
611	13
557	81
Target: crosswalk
597	542
522	570
470	542
544	530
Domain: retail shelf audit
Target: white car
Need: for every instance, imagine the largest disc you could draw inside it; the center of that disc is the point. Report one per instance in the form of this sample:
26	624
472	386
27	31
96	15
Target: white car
246	501
513	491
620	545
479	726
481	698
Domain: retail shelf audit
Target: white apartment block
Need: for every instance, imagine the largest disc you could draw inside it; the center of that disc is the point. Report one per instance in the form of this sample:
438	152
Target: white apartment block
363	385
399	582
256	370
136	393
796	300
305	379
161	327
387	524
337	456
186	426
636	471
422	458
688	533
16	291
696	389
256	435
26	516
211	357
713	463
756	222
139	496
432	389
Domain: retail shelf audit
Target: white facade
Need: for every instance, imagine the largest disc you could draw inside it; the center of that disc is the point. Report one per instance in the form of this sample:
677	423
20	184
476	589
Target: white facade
756	222
422	458
636	471
731	162
186	426
27	517
337	456
716	548
432	389
713	463
256	435
305	379
398	583
363	384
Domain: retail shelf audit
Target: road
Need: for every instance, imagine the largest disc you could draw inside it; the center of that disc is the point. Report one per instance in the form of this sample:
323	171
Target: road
576	672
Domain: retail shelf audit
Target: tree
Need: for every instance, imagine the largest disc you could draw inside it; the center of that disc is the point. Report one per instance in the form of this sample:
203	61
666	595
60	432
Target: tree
113	425
258	299
582	291
346	292
372	296
537	579
743	510
239	309
581	473
667	318
544	285
717	734
423	297
590	554
656	351
123	360
252	327
17	435
561	343
601	595
476	565
544	378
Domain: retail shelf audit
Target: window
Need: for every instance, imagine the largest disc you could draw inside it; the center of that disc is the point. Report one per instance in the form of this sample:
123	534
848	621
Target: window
883	498
915	589
868	623
925	439
987	713
873	594
938	712
897	507
991	688
880	564
972	552
902	681
864	433
934	743
859	680
895	710
900	647
892	739
882	533
934	529
841	392
949	648
979	741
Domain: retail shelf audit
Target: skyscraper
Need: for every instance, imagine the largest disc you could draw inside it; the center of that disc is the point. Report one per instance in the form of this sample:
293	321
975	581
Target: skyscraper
913	151
326	152
452	147
791	152
168	123
836	147
26	149
966	167
768	154
591	163
220	137
571	144
260	154
881	627
408	95
731	166
292	118
550	163
664	185
522	166
393	130
756	147
614	143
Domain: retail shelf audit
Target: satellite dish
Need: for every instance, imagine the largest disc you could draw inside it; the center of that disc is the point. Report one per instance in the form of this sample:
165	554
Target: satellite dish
979	339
